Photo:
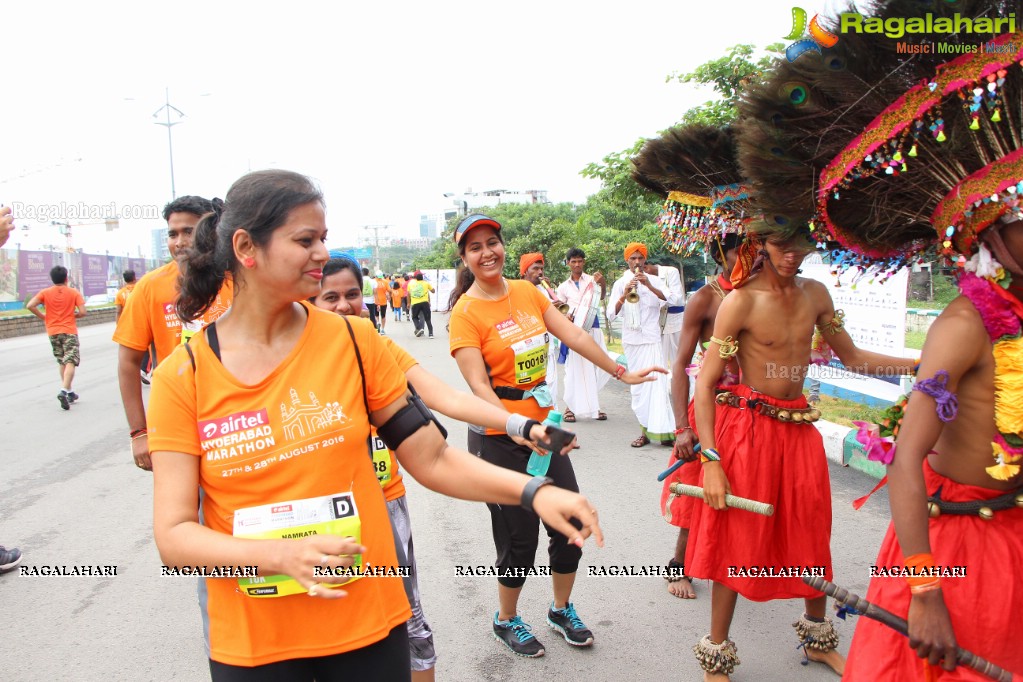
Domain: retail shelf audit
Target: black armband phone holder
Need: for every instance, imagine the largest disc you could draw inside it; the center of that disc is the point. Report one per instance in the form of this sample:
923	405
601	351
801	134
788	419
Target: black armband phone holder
407	421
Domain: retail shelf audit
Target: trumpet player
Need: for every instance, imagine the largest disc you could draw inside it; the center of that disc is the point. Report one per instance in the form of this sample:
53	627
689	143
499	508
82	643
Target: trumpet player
637	298
531	266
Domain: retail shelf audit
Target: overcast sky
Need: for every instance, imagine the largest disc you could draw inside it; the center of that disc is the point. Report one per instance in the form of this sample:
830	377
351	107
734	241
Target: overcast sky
387	105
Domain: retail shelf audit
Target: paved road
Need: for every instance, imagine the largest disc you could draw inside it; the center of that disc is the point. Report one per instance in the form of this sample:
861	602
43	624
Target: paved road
70	494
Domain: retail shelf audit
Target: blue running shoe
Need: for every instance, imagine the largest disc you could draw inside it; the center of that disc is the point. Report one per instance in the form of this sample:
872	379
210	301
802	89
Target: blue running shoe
518	637
567	622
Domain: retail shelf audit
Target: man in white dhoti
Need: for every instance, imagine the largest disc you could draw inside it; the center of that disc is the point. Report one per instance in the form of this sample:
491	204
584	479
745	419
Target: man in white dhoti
671	315
583	380
531	266
641	341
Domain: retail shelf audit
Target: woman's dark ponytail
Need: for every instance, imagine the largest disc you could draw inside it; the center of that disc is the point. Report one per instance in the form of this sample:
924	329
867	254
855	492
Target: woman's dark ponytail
205	268
463	280
258	203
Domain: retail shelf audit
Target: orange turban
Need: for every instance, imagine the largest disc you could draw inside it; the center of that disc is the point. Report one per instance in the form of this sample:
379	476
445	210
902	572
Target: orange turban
633	247
528	259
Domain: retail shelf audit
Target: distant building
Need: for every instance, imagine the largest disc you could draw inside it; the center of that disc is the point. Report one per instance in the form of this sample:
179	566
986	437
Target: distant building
420	243
159	247
469	200
428	227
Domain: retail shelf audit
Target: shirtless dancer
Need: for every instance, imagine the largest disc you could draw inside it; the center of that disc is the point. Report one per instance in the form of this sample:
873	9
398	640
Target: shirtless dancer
764	446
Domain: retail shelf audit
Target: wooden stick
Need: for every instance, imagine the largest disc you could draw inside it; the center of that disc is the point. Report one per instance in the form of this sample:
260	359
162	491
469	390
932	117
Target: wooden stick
731	500
888	618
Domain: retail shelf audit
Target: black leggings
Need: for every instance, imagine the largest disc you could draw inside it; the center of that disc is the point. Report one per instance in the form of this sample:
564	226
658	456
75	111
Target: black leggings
421	316
515	529
387	659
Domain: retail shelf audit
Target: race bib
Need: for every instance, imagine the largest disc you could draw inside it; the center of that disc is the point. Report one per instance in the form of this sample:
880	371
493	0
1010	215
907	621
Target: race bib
531	358
330	515
190	329
381	461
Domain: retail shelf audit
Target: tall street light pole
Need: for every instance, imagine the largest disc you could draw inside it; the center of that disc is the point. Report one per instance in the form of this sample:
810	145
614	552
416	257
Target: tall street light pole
167	108
376	241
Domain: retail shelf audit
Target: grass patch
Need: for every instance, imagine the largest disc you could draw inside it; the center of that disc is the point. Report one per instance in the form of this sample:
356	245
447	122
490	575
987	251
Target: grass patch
915	339
844	412
945	291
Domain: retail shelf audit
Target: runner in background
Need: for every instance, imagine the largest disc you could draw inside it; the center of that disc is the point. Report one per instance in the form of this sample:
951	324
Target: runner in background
380	295
120	300
419	291
404	297
64	306
369	297
395	295
271	429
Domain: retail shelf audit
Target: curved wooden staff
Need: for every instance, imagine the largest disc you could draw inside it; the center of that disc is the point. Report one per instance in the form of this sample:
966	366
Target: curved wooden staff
888	618
730	500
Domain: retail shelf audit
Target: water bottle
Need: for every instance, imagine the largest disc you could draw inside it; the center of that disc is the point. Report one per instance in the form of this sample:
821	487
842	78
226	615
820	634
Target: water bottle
538	464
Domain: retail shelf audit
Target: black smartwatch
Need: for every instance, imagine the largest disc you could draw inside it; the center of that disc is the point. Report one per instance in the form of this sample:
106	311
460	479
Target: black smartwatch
529	492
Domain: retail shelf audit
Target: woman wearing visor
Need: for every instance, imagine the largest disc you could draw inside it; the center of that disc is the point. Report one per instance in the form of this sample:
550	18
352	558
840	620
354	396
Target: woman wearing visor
498	336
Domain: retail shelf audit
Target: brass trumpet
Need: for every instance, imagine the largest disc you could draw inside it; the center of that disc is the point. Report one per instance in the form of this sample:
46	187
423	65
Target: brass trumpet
633	295
561	306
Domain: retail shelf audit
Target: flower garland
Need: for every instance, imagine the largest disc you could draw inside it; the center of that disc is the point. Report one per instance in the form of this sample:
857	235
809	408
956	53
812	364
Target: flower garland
981	283
985	283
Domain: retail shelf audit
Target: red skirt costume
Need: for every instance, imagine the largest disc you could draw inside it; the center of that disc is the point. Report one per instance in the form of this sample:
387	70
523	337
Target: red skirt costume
984	605
781	463
678	509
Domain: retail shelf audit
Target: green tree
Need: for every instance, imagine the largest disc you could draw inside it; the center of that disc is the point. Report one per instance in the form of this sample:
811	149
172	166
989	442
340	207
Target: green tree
729	76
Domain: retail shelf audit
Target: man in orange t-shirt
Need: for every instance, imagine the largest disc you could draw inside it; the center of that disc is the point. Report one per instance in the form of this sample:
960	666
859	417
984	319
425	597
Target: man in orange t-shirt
64	306
121	299
150	318
380	296
404	297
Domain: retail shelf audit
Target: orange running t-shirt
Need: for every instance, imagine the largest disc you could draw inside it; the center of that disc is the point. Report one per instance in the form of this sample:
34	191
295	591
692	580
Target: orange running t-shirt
395	296
60	301
122	295
150	316
300	433
381	291
511	335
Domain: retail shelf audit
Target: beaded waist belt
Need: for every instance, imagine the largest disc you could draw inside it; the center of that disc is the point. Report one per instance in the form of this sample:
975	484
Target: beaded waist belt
984	508
795	415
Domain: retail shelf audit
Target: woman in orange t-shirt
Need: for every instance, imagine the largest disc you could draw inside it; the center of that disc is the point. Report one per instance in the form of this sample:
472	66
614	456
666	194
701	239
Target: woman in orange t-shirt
499	335
290	506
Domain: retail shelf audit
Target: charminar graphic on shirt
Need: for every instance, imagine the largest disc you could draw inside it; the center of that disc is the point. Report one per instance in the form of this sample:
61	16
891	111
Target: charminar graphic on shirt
246	440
